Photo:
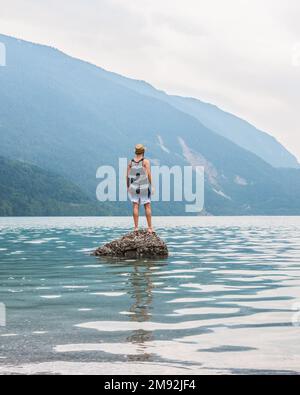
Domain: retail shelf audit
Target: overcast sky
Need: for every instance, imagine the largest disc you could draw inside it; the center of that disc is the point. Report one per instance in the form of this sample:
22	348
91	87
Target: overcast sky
242	55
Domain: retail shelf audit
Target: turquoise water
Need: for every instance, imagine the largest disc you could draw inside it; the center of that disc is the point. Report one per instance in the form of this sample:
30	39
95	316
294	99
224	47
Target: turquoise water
226	300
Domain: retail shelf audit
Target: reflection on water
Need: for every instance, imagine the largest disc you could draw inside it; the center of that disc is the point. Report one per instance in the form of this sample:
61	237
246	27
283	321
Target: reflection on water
142	287
226	300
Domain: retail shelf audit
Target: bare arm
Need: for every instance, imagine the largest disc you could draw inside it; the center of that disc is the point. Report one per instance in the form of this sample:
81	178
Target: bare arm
127	175
147	166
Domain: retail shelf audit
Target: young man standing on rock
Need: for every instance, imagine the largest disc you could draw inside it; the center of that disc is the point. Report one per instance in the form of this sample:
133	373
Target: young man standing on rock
139	185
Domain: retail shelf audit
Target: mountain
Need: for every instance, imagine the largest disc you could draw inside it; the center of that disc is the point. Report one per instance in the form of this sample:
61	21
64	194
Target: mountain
27	190
71	117
227	125
238	131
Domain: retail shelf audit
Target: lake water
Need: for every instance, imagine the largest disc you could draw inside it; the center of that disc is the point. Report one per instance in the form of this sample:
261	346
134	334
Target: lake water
226	301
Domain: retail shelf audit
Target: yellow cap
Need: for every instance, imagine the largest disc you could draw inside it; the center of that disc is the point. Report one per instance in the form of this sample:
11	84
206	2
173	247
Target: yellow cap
140	149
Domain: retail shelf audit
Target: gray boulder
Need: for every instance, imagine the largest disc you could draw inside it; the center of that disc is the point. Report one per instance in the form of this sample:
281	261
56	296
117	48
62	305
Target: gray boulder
141	244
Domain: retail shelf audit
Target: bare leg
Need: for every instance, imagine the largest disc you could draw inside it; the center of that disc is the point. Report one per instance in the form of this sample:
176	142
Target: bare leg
148	212
136	211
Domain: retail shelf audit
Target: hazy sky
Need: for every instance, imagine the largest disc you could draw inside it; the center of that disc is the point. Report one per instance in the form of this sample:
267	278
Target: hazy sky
242	55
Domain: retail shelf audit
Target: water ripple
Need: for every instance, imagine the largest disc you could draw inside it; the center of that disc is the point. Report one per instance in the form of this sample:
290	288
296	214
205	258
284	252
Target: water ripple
227	299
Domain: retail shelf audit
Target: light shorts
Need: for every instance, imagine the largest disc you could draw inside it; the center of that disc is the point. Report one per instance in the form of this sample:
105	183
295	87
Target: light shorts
141	200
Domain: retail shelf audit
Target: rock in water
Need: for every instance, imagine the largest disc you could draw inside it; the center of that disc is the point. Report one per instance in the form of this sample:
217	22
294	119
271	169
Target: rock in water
141	244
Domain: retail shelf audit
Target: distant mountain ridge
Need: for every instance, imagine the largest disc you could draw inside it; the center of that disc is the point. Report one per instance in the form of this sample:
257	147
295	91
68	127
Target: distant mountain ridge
27	190
227	125
71	117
